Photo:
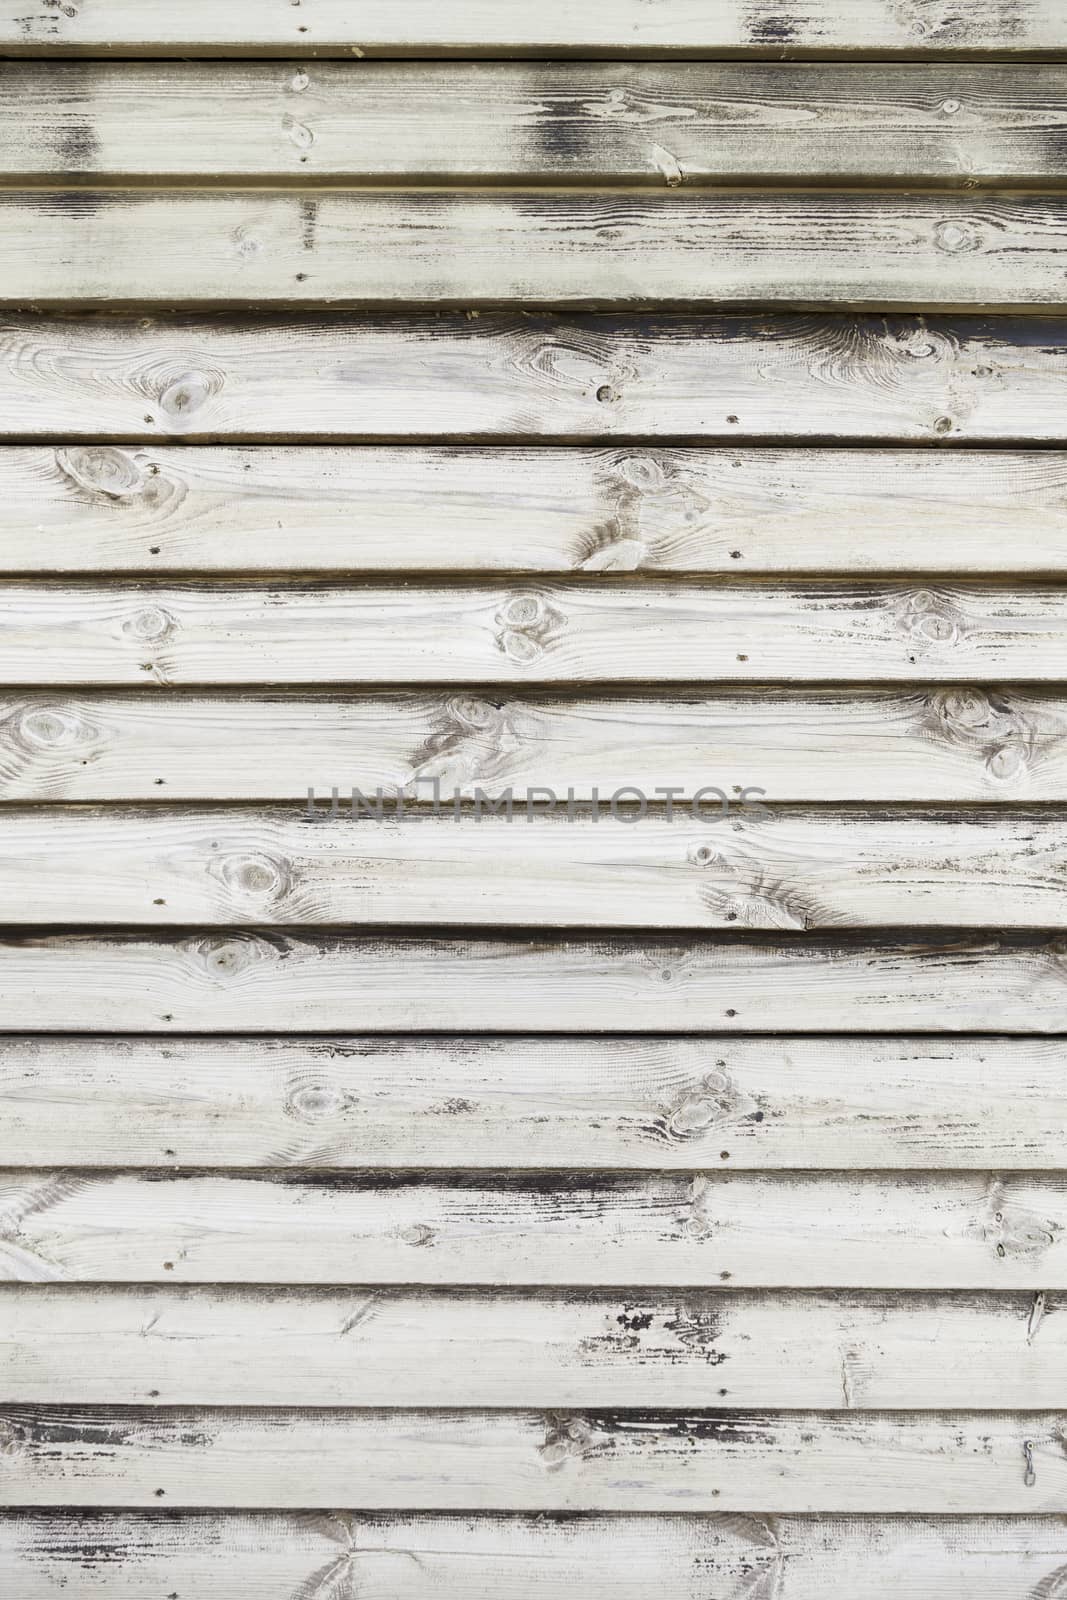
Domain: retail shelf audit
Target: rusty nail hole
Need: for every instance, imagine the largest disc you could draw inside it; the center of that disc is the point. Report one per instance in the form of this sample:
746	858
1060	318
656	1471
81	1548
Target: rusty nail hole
160	1493
153	550
731	419
605	393
724	1155
735	555
731	1013
168	1266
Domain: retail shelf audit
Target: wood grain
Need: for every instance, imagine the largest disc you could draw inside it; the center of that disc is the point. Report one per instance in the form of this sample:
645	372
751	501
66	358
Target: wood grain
277	982
918	379
922	744
502	122
476	1102
118	634
552	27
272	1556
704	1461
224	250
359	1346
455	509
766	1231
788	870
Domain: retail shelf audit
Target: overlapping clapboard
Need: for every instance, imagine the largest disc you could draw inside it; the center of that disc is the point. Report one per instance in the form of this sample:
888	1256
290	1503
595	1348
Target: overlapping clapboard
373	1192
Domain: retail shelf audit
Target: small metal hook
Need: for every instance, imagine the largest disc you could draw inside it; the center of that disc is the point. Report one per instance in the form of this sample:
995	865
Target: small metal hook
1030	1476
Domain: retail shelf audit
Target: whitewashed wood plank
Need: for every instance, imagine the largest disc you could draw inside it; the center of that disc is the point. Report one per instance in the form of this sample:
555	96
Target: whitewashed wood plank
496	121
952	744
131	1556
477	1102
766	1231
359	1346
463	509
705	1461
787	870
905	379
276	982
223	633
615	27
104	249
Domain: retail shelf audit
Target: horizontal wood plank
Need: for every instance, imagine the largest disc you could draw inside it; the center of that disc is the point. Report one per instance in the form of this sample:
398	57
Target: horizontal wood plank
271	1556
457	509
114	248
790	869
906	379
705	1461
919	1231
951	744
277	982
595	632
83	1345
476	1102
553	27
502	122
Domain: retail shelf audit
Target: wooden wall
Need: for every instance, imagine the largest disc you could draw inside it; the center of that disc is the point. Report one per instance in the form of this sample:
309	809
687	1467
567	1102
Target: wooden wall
527	397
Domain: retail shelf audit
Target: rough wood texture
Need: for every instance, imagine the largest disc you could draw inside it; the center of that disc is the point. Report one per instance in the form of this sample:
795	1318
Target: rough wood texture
790	869
60	248
476	1102
552	27
937	744
522	376
457	509
919	1231
118	634
136	1556
702	1461
357	1346
277	983
640	123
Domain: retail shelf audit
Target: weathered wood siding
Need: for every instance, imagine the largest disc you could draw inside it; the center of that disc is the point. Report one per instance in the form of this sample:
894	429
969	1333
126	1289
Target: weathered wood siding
445	1194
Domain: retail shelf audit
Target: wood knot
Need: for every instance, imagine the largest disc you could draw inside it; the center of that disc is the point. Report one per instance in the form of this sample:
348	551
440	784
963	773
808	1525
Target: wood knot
260	877
1012	1230
150	626
525	626
696	1221
103	470
929	618
566	1439
42	729
957	238
188	394
299	82
479	716
14	1438
298	133
418	1234
228	957
316	1101
987	724
715	1103
916	342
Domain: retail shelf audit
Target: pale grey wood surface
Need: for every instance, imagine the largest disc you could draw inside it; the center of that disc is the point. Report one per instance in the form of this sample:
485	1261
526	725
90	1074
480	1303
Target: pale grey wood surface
791	869
706	1461
476	1102
599	631
658	123
273	1556
365	1346
278	982
115	248
520	376
552	27
455	509
849	744
703	1229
